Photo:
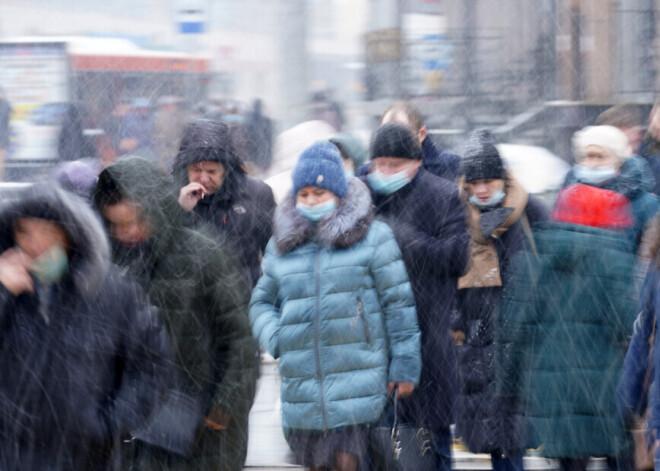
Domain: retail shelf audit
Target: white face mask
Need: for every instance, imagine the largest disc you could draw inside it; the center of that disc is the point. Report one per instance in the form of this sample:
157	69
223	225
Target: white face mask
594	175
495	199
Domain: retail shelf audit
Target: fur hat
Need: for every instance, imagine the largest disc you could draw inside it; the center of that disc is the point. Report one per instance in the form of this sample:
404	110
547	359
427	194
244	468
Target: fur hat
591	206
320	165
482	159
394	140
612	140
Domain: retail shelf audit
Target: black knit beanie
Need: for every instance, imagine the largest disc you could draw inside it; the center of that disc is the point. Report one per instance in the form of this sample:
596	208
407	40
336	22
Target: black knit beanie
481	160
394	140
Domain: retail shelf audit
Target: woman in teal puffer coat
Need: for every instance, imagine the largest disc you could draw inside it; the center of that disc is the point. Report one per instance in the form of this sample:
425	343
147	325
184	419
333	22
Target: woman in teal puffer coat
335	305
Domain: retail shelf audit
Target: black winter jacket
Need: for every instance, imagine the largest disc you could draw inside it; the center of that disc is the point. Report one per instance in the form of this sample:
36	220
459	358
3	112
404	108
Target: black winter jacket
428	222
82	364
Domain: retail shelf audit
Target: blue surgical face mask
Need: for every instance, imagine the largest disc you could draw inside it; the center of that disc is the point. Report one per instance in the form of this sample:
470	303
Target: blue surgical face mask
595	175
50	266
317	211
349	173
495	199
387	184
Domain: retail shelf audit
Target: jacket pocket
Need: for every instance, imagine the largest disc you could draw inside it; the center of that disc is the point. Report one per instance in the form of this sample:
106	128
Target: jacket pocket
360	314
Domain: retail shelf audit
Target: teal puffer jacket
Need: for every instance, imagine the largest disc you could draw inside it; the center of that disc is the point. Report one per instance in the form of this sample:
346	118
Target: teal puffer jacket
335	305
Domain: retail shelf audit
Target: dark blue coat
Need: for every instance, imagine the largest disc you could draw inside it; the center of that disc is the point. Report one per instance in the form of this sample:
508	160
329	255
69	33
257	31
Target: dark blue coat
632	398
440	162
428	222
479	417
82	364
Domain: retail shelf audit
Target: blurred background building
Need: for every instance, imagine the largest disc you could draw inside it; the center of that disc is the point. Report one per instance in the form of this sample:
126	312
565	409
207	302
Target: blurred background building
531	69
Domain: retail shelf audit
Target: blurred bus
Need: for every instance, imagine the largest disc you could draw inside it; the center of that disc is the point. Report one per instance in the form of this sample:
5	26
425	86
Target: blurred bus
42	76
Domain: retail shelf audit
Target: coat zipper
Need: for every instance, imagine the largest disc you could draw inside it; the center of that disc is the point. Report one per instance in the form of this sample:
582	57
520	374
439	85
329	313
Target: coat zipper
317	353
360	314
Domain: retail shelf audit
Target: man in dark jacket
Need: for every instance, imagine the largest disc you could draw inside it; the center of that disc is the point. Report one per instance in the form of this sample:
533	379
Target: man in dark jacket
216	191
428	222
83	358
439	162
203	301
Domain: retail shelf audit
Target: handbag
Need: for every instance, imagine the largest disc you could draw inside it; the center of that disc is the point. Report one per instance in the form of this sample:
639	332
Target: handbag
400	447
175	424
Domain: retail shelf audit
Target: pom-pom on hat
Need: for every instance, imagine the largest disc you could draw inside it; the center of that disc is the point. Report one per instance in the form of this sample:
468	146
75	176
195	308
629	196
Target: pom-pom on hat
481	160
320	165
394	140
612	140
591	206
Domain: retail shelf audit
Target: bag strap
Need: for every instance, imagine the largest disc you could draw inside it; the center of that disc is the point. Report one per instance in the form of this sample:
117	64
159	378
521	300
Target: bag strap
391	399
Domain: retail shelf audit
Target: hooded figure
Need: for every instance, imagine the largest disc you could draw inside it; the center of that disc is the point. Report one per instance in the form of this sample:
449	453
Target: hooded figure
215	191
499	214
335	305
203	301
563	325
83	358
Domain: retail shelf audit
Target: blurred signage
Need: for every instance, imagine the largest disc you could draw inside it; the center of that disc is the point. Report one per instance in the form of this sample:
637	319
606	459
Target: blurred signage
191	16
384	45
429	52
35	79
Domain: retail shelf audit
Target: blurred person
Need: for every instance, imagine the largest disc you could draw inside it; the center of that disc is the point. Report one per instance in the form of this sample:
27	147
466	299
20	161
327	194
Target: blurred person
604	160
325	108
215	191
637	395
114	123
167	129
628	119
203	301
352	151
78	176
563	325
439	162
84	358
259	136
5	114
650	148
135	137
335	305
72	144
500	214
427	218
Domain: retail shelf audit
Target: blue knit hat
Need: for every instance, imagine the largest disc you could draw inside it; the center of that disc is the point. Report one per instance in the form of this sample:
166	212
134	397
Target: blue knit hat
320	165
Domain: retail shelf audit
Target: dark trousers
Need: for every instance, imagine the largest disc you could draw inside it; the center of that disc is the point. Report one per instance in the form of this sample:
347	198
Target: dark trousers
442	448
614	463
510	462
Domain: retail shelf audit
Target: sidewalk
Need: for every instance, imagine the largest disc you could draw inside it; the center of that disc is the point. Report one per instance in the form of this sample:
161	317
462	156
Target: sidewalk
268	451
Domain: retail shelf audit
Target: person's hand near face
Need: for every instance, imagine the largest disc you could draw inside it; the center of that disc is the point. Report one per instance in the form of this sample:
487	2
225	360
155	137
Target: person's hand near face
14	273
205	177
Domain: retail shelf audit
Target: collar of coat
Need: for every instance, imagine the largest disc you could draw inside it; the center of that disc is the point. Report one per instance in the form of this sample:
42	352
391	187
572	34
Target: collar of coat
484	265
343	227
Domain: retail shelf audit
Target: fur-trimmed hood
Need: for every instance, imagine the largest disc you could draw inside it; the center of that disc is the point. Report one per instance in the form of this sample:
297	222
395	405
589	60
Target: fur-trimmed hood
89	252
343	227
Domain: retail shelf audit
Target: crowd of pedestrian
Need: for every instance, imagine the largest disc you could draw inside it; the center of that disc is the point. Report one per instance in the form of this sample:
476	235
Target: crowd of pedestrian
400	287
